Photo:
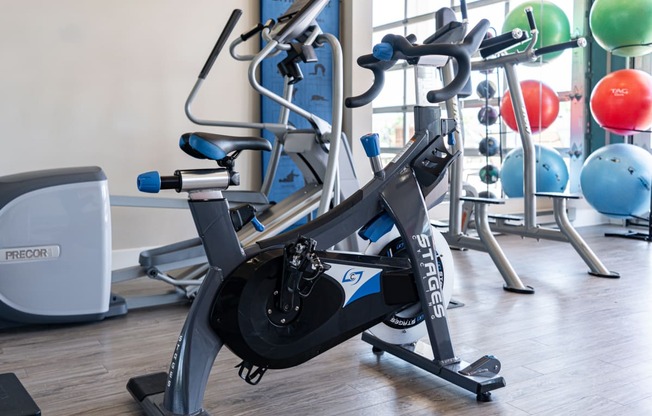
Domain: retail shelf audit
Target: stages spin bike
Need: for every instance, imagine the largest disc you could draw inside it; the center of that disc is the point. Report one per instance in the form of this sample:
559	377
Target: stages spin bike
284	300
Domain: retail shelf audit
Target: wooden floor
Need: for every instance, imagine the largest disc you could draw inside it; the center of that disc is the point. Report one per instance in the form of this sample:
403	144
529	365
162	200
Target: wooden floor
580	346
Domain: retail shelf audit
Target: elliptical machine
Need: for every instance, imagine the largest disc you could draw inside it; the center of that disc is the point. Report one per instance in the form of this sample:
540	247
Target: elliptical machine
285	300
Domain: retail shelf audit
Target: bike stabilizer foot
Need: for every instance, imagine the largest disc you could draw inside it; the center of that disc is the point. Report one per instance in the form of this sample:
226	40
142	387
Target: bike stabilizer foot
481	380
148	390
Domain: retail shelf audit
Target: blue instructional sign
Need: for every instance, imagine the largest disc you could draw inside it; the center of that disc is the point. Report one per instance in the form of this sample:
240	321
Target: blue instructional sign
313	93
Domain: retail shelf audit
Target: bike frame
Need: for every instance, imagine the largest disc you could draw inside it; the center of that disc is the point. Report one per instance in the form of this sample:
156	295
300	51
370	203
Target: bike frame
198	345
399	190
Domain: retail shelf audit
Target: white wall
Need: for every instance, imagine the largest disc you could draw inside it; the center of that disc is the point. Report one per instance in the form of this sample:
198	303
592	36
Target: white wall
104	83
356	40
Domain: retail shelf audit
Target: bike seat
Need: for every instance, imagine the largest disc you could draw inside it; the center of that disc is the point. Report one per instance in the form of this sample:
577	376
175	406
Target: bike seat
218	146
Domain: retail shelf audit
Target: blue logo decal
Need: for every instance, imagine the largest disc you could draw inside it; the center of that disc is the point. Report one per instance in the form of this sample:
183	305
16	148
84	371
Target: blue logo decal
352	276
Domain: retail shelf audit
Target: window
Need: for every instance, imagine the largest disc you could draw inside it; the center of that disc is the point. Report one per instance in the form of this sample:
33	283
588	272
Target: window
392	111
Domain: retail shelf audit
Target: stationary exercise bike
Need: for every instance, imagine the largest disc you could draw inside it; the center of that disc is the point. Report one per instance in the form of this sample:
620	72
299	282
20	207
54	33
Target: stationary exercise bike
285	300
55	245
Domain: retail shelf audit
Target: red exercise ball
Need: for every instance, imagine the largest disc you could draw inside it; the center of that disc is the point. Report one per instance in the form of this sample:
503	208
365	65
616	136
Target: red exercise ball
621	102
541	105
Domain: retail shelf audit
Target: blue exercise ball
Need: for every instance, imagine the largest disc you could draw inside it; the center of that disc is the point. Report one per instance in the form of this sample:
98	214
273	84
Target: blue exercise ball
486	89
551	171
616	178
489	146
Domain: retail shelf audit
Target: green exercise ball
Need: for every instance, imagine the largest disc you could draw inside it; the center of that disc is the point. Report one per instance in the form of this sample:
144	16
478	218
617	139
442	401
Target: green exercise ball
551	22
489	174
623	28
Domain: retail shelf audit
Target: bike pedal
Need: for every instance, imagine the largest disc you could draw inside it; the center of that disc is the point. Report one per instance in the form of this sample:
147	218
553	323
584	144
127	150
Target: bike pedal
487	365
253	374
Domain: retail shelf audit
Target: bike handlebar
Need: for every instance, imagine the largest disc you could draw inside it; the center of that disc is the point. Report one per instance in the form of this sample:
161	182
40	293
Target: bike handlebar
403	48
378	68
221	41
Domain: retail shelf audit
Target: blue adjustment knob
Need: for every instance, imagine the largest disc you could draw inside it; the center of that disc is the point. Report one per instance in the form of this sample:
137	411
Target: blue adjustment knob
383	51
378	228
371	144
258	226
149	182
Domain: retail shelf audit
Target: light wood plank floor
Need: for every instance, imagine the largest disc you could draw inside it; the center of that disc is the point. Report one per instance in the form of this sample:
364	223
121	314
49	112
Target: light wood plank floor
580	346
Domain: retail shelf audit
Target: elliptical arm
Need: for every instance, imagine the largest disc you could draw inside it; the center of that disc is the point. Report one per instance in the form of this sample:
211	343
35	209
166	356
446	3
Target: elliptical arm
226	32
330	182
314	121
308	35
334	131
260	27
210	61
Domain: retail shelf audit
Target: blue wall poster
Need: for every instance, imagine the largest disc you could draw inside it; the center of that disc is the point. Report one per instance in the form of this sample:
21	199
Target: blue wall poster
313	93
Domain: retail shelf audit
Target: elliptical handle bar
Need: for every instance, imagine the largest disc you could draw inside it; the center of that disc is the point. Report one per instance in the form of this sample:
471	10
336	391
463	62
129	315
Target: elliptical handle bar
221	41
464	11
254	31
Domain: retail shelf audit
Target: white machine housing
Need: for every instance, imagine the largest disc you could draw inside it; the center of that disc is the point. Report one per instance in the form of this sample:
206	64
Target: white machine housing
55	246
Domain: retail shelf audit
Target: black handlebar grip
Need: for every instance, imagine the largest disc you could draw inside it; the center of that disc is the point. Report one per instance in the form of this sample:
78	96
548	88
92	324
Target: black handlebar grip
403	49
368	96
475	37
502	42
530	18
463	72
378	68
463	10
226	32
500	39
463	57
575	43
245	36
